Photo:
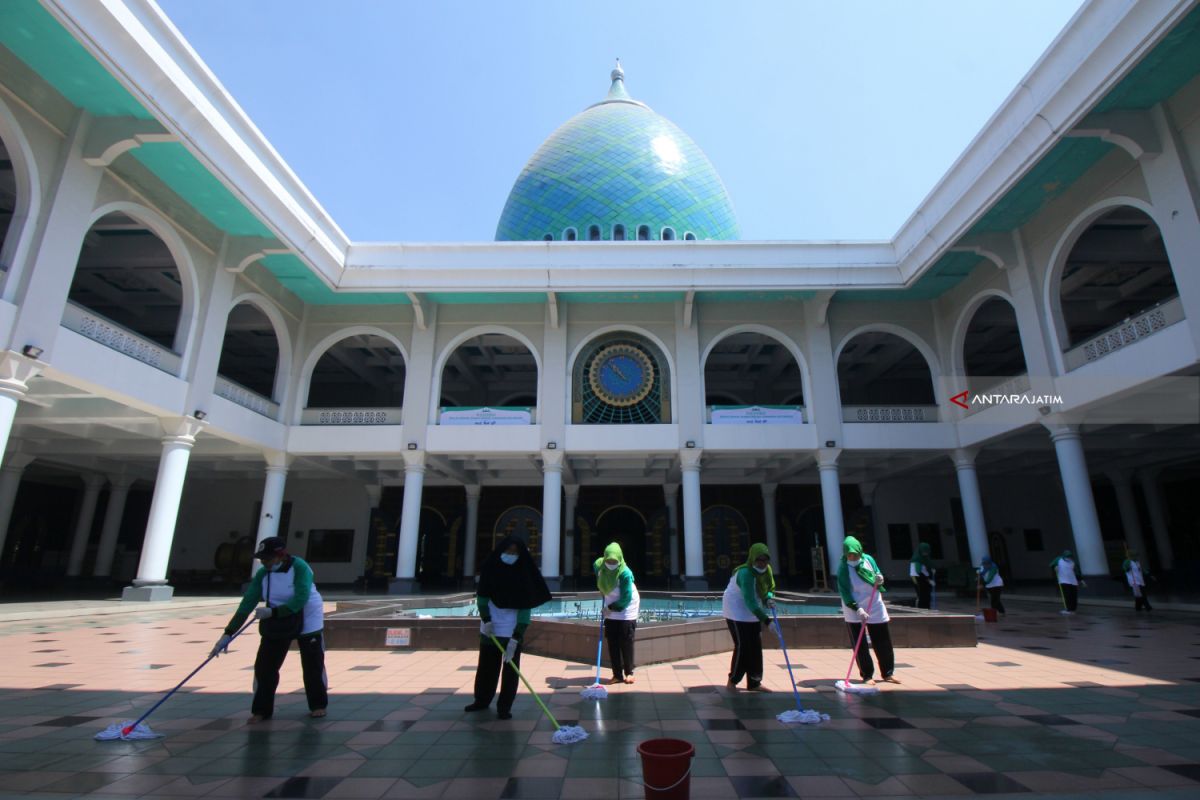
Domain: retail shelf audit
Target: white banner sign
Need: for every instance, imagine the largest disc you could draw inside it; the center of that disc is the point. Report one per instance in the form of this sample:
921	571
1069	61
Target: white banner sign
397	637
486	416
756	415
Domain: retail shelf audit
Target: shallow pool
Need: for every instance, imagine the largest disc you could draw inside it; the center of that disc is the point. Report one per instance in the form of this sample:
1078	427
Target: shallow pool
652	609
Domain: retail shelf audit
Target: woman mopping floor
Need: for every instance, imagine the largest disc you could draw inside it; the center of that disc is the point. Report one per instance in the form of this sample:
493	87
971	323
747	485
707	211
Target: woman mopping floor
751	591
621	603
860	584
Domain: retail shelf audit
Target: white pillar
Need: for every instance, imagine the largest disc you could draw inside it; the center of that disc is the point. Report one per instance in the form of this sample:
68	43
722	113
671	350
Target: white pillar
831	502
671	495
1123	485
571	495
151	580
1081	506
768	496
410	522
693	528
92	485
10	481
118	493
472	531
272	502
15	371
552	469
972	503
1158	518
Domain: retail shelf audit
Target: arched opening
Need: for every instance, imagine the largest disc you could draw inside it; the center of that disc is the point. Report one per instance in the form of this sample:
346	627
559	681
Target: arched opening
620	379
689	237
8	198
618	233
250	351
643	233
489	370
668	234
593	233
1117	269
127	275
753	367
876	368
569	235
549	237
992	345
360	371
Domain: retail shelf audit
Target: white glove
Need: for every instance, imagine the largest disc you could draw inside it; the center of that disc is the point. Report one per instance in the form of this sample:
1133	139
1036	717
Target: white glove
262	612
770	602
510	650
488	629
863	614
879	580
222	646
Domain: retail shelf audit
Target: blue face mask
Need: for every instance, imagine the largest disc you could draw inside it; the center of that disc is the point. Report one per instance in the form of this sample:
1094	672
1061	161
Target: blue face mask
509	558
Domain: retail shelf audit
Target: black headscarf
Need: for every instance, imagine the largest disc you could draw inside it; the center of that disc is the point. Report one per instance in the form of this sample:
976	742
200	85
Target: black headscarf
518	585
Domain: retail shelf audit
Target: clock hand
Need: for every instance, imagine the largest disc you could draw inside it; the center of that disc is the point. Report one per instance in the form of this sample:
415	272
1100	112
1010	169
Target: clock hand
617	372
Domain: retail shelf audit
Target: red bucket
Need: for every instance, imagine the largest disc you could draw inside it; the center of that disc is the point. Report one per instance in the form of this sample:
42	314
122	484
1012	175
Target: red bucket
666	768
989	615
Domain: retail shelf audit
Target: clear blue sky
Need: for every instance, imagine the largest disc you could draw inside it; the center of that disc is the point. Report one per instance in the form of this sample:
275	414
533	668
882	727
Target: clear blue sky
826	120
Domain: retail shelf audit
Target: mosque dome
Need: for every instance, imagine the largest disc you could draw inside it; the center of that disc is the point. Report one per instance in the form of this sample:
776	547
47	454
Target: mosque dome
617	170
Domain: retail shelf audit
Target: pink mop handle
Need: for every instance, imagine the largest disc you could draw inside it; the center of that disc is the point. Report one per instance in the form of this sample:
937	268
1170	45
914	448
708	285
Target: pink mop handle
861	632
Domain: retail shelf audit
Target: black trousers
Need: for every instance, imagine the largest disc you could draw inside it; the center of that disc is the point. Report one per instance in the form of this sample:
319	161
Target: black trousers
924	591
747	652
491	669
271	654
1070	594
1140	600
994	596
881	640
619	635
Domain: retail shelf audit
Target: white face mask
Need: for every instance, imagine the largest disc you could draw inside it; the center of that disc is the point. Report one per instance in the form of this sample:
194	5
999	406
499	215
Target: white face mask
509	558
276	567
759	570
610	566
853	563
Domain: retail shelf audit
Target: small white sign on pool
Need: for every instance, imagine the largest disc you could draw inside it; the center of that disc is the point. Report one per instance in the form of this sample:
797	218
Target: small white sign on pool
398	637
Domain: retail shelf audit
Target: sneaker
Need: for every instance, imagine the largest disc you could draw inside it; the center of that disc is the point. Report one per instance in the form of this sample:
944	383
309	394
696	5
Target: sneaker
476	707
1064	611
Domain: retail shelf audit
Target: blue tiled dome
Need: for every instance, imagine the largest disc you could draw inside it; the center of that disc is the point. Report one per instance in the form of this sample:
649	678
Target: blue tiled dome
618	164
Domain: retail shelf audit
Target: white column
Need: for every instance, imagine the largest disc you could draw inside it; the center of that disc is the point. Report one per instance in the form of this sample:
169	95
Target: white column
10	481
1123	485
571	495
1158	518
972	503
472	531
1081	506
151	580
272	501
831	502
410	521
552	469
15	371
768	496
92	485
671	495
693	528
118	493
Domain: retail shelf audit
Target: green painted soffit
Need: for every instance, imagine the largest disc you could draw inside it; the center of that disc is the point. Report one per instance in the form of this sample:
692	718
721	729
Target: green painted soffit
751	297
36	38
297	278
950	270
1173	62
187	177
485	298
620	297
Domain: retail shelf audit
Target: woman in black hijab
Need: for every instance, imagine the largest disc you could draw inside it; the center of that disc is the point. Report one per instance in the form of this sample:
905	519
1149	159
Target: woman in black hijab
510	587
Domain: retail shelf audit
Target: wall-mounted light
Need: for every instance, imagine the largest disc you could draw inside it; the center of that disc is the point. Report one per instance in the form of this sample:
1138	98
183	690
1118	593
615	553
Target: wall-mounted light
830	443
412	445
32	350
268	515
689	444
198	414
551	445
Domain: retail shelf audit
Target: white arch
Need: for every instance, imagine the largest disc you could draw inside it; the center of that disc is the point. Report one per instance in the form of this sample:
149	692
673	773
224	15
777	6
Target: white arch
622	328
958	341
283	339
314	355
29	199
439	366
162	227
764	330
931	359
1052	284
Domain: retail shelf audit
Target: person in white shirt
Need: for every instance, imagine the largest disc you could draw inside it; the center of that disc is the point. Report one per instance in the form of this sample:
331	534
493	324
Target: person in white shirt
1136	577
920	569
989	576
1066	572
621	605
860	583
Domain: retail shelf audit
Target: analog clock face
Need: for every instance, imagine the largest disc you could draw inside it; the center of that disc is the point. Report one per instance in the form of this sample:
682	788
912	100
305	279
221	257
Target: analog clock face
621	375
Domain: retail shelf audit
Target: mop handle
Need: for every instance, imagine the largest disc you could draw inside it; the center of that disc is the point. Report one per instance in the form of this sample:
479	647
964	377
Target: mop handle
600	648
125	731
786	660
861	631
525	680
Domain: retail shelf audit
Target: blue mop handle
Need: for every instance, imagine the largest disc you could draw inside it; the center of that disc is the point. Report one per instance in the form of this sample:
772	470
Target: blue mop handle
125	731
600	647
786	660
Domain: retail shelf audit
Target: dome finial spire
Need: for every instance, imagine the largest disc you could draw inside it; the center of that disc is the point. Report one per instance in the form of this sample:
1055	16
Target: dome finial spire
618	74
617	90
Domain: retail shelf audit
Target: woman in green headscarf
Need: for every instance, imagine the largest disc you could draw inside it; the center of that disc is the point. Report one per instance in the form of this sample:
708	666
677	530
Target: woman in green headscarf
860	583
621	601
920	569
751	591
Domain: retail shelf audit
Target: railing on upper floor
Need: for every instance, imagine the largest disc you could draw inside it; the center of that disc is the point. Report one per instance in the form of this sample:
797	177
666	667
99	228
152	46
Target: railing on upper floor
889	413
236	393
1124	334
350	416
108	333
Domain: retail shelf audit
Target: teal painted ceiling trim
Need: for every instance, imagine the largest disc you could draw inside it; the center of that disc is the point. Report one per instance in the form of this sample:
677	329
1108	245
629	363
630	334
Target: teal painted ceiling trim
296	277
949	271
175	166
751	297
36	38
620	297
485	298
1173	62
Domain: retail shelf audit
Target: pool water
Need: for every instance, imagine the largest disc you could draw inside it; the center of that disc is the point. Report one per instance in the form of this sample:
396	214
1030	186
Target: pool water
651	609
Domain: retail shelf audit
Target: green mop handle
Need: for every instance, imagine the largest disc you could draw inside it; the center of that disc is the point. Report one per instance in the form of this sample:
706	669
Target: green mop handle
525	680
786	660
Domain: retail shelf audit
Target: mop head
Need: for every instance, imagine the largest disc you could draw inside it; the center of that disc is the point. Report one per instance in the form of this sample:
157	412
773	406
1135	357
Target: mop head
569	734
117	731
806	717
594	692
855	688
